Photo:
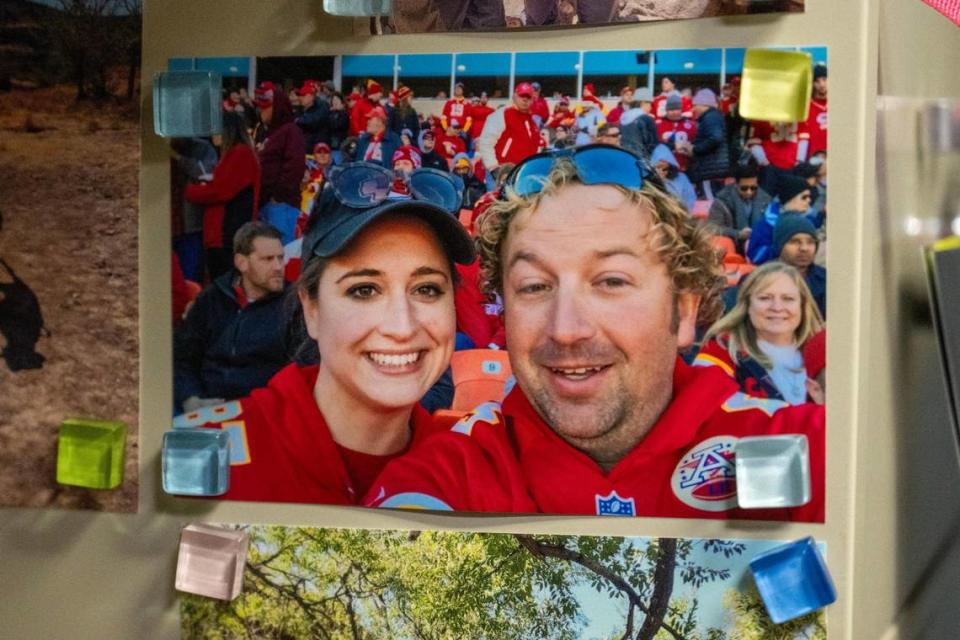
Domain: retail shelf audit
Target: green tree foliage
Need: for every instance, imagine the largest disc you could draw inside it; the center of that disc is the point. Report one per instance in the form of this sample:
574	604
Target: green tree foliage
338	584
750	620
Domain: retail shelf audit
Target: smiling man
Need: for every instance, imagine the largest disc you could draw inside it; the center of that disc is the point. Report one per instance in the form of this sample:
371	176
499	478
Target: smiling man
603	280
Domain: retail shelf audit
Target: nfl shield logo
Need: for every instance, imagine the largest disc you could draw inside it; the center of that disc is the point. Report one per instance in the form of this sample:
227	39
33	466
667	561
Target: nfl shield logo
614	505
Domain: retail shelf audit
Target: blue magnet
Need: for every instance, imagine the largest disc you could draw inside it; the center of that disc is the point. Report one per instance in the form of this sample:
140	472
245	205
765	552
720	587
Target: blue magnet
793	580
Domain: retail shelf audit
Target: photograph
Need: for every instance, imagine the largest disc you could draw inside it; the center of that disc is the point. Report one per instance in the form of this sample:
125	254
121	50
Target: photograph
431	16
562	282
69	167
343	583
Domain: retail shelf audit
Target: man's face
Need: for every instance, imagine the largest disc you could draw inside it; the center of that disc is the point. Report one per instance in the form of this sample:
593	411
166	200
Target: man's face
674	114
458	91
461	169
262	270
523	102
626	97
612	136
374	97
666	85
428	143
747	188
307	100
574	271
375	126
799	203
799	251
820	87
403	166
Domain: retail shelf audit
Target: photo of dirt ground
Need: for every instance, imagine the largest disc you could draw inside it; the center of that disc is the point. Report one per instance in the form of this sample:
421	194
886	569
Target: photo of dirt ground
68	197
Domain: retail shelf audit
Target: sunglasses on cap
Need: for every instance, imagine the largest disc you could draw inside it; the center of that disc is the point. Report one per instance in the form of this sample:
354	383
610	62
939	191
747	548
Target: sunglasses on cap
595	164
363	185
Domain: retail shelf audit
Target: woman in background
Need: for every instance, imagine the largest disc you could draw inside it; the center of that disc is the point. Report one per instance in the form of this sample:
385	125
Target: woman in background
760	341
231	195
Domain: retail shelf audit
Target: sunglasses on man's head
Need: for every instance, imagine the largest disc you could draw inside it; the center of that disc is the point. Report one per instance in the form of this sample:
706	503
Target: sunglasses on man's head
363	185
595	164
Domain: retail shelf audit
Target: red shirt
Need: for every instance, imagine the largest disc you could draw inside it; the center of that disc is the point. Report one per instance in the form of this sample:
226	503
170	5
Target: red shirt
509	461
780	141
816	126
281	449
460	109
677	132
449	146
479	113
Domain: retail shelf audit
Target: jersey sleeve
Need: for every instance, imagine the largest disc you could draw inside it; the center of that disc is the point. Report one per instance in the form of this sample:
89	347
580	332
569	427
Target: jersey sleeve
471	467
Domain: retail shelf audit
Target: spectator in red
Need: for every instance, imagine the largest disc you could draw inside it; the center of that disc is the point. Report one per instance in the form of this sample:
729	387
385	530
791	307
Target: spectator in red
480	110
282	152
589	93
776	146
450	142
232	195
478	316
457	108
667	89
677	131
510	134
563	115
378	144
406	160
539	109
816	125
364	105
626	98
729	94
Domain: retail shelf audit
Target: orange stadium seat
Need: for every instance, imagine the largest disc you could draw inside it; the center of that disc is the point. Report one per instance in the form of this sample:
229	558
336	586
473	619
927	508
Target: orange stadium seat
479	375
724	245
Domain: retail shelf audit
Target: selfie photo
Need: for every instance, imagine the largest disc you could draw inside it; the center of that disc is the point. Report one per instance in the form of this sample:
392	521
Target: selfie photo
571	282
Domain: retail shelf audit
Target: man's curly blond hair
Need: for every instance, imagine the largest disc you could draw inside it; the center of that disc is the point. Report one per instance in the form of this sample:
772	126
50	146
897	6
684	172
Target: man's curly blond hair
683	246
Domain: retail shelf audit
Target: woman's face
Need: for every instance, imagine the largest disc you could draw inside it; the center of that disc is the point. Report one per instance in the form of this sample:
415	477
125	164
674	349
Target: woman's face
775	309
384	319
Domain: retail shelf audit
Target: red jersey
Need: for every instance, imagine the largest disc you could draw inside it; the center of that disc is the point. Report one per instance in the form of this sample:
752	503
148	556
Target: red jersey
658	108
816	126
477	315
510	135
479	113
726	104
540	109
674	133
780	141
460	109
507	460
449	146
281	449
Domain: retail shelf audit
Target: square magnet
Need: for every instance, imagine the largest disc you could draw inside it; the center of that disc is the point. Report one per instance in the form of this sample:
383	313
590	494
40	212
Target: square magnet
357	8
187	104
90	453
211	561
776	85
196	462
773	471
793	580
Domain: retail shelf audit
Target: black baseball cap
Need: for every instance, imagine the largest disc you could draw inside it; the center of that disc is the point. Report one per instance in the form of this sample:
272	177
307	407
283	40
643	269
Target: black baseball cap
334	225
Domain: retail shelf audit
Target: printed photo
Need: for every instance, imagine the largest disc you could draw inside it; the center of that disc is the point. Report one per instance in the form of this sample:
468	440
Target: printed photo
69	165
430	16
551	282
340	583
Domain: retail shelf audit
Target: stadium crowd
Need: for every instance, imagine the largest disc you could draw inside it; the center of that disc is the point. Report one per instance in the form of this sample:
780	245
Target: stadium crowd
243	201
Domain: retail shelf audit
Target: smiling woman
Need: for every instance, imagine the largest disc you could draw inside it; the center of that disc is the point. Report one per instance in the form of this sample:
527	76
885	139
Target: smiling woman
761	340
376	293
